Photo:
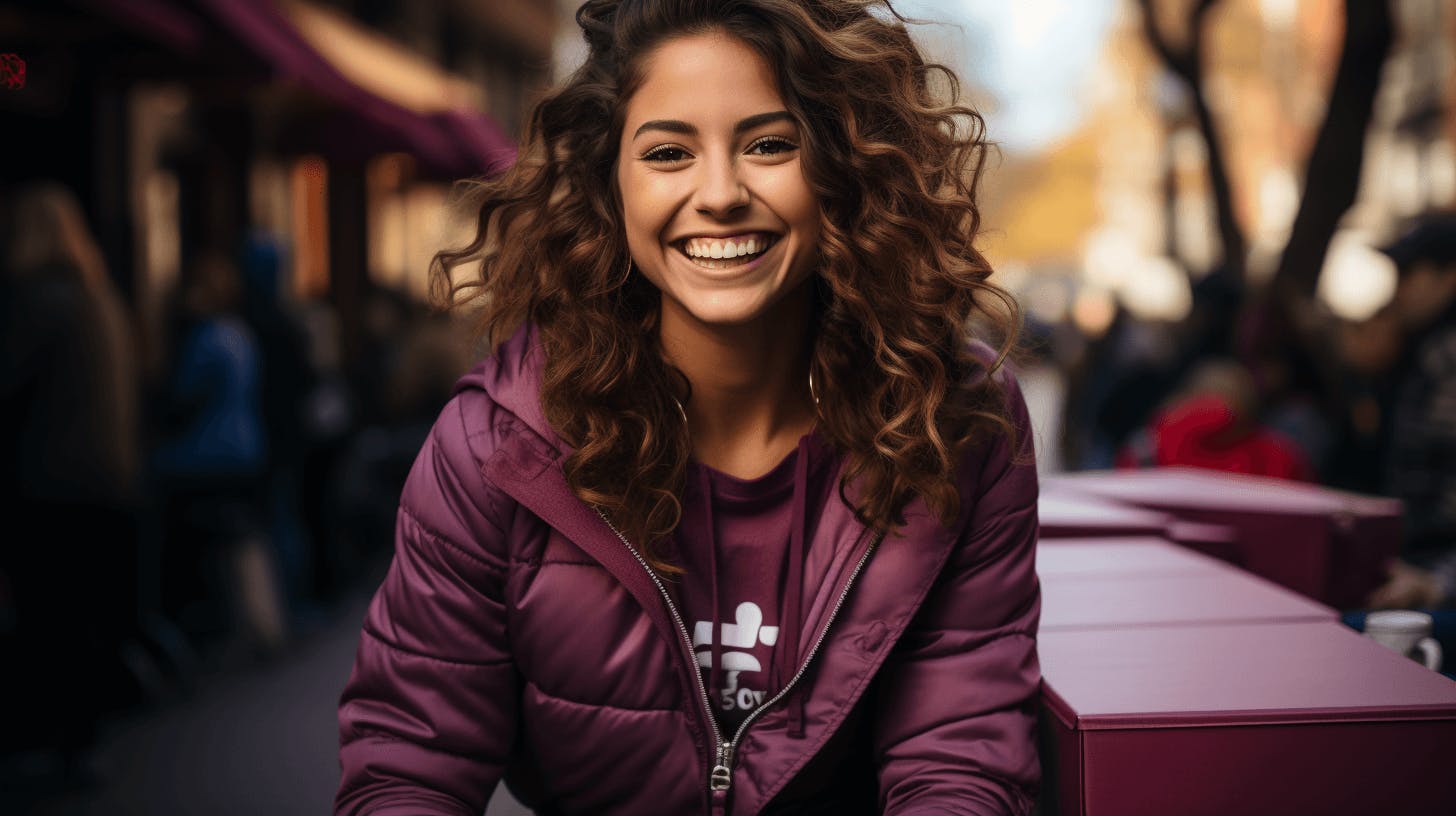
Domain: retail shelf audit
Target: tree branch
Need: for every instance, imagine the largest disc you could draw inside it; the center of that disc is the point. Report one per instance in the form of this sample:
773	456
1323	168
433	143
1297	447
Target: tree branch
1188	65
1332	175
1177	62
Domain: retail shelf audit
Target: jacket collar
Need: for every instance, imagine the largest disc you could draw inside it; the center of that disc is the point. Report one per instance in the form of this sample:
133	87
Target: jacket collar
528	467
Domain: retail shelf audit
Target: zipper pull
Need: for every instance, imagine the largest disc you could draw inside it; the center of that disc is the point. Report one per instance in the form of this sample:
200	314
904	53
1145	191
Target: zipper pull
722	778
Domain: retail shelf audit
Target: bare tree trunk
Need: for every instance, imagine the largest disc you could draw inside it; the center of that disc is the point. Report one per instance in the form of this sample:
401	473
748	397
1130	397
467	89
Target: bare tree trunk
1187	64
1332	175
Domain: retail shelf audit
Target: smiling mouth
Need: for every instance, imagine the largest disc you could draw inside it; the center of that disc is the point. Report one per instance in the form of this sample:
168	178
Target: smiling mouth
712	253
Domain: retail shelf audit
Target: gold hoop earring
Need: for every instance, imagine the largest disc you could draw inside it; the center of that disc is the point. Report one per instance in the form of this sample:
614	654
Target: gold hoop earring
626	272
812	394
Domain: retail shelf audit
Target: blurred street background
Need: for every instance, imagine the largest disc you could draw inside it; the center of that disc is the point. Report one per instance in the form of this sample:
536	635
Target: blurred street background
1227	222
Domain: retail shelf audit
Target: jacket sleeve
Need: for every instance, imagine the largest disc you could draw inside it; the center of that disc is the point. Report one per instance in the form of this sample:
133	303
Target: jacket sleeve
955	717
428	717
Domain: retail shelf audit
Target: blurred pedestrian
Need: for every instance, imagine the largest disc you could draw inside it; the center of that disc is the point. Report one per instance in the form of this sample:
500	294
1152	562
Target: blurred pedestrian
1369	351
210	463
69	430
431	353
287	383
1122	378
1284	343
1213	423
1421	462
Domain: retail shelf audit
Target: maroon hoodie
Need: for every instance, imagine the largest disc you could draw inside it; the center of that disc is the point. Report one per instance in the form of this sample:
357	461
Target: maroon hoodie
742	544
517	636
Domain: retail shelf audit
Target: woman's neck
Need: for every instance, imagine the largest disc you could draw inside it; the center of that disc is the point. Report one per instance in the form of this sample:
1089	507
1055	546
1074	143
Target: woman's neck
750	399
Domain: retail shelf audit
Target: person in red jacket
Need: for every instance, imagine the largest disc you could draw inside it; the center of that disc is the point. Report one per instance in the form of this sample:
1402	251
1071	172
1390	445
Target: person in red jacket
739	517
1213	424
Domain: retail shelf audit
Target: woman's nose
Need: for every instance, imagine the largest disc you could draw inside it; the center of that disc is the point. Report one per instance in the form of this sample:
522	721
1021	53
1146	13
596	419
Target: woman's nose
720	189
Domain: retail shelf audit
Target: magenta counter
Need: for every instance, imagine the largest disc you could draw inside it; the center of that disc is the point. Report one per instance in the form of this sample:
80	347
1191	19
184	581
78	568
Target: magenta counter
1132	582
1072	514
1114	556
1069	513
1265	719
1327	544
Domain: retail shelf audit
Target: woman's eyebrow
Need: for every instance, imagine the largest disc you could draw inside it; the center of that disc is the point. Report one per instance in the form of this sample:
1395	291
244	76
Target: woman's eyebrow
749	123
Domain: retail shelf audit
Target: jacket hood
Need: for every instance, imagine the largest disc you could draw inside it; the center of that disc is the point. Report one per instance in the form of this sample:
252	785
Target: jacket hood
512	377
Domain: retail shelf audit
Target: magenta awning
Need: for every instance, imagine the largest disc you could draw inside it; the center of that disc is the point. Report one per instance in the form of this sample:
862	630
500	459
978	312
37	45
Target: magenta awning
357	124
162	20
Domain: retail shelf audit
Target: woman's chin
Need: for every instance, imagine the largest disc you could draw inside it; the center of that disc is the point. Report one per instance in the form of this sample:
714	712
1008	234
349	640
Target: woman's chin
760	298
726	312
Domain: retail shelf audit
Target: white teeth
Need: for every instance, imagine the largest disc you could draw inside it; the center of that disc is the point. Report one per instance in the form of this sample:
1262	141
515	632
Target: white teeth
704	248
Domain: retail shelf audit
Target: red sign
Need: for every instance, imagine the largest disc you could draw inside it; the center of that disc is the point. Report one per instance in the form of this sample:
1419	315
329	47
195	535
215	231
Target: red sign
12	72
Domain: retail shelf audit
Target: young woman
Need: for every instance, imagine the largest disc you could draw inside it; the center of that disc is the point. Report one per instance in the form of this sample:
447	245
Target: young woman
739	518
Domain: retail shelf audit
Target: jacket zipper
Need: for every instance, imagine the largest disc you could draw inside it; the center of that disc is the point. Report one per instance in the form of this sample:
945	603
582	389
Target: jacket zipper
727	751
721	777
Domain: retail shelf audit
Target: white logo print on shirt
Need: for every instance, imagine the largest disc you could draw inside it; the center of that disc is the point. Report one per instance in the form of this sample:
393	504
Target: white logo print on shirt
747	633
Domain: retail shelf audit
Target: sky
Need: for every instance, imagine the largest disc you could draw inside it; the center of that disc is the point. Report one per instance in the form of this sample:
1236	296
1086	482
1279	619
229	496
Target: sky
1033	57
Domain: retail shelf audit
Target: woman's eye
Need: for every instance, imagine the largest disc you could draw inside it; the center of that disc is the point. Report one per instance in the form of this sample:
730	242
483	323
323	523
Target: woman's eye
665	154
772	146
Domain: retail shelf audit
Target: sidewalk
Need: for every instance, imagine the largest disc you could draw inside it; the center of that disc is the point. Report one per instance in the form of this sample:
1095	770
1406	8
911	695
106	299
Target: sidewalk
260	741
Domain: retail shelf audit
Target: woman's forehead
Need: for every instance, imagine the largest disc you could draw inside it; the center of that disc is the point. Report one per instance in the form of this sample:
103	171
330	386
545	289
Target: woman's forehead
702	74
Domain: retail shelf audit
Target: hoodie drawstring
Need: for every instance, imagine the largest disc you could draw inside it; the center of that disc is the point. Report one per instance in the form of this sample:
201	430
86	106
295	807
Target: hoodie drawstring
715	665
793	592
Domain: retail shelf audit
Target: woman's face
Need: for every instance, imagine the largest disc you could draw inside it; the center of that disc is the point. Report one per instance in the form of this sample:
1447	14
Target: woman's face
718	213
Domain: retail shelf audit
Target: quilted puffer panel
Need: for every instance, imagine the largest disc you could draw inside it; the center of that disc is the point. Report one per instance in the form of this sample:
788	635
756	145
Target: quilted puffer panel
596	759
579	635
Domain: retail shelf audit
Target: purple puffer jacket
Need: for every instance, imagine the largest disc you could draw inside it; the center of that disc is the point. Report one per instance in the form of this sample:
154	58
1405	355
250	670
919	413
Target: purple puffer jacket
517	636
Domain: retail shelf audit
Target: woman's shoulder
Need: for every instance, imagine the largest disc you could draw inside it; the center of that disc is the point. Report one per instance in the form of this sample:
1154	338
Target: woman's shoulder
990	361
447	492
992	376
1002	457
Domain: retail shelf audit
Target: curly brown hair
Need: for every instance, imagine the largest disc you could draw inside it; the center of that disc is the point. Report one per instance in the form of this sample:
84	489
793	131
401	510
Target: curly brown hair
894	161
